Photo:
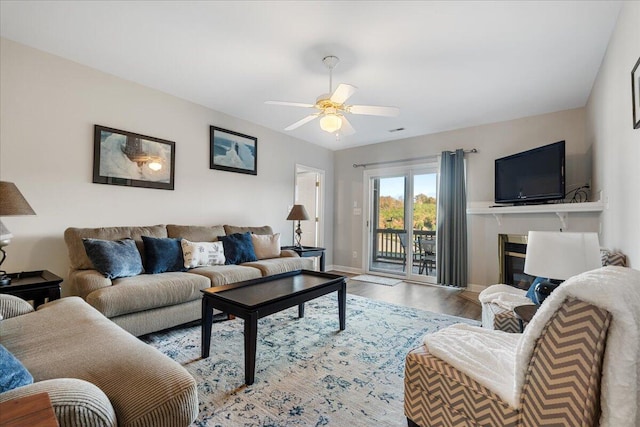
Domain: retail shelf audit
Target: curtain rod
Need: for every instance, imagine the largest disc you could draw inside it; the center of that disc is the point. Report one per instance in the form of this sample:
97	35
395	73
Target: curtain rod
364	165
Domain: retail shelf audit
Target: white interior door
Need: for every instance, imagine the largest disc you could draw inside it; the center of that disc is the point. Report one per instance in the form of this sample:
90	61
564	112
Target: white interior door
309	192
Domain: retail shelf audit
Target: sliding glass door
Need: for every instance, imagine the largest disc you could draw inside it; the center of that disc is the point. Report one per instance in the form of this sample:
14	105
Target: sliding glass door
401	230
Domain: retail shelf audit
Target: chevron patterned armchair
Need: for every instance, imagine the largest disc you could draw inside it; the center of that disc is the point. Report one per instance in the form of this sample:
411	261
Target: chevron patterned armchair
561	385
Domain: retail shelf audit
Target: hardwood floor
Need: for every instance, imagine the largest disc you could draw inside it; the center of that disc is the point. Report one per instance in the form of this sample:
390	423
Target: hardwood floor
438	299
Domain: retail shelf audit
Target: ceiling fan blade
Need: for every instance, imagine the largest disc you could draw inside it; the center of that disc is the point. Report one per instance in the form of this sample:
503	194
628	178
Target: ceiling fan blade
346	128
342	93
289	104
373	110
301	122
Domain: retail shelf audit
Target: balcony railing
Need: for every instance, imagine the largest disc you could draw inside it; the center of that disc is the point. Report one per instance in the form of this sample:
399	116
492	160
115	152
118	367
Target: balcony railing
389	244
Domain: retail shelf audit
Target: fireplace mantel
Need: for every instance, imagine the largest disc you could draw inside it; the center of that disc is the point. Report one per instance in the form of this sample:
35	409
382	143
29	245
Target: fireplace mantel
562	210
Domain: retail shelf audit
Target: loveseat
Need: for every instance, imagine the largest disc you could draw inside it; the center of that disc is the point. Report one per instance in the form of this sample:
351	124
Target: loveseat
145	303
95	373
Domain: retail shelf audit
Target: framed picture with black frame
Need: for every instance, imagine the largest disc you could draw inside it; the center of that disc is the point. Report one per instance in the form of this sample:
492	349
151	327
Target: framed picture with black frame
635	94
233	152
130	159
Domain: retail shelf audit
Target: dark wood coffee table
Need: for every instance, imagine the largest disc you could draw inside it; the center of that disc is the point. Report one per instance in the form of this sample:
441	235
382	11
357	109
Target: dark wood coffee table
254	299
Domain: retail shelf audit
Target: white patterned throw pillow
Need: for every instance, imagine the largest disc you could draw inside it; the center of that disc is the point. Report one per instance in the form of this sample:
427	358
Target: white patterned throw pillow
266	245
198	254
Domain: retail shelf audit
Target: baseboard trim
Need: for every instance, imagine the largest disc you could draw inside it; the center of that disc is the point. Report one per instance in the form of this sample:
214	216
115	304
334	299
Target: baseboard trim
472	287
344	268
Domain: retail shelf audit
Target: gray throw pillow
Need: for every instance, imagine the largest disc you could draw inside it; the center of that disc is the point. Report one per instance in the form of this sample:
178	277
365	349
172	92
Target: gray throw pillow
114	258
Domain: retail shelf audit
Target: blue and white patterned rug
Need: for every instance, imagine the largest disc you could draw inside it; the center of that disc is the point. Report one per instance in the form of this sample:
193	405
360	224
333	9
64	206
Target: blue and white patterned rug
308	373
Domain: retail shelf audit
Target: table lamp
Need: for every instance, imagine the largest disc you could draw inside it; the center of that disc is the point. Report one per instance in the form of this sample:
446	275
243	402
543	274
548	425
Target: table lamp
559	256
12	202
298	213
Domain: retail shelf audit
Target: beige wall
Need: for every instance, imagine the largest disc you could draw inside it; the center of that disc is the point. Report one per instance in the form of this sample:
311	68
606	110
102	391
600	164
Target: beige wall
492	141
616	145
48	107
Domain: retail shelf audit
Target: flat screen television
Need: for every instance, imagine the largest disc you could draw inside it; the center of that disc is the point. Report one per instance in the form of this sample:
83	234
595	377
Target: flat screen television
533	176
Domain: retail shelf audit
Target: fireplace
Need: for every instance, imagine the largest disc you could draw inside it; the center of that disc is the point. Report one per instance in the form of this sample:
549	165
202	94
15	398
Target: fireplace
512	249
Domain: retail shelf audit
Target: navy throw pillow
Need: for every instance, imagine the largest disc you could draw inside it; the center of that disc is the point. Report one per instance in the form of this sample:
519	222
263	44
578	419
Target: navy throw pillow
238	248
531	293
162	254
114	258
13	374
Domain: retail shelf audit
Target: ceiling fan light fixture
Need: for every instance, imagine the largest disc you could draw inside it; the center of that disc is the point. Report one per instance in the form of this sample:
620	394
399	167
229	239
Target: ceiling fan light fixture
330	123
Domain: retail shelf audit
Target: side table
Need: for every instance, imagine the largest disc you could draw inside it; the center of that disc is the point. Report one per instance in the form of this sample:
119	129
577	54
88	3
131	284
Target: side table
524	313
34	410
308	251
34	286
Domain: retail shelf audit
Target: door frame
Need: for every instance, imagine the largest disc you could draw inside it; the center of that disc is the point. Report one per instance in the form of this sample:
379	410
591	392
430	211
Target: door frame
408	171
320	199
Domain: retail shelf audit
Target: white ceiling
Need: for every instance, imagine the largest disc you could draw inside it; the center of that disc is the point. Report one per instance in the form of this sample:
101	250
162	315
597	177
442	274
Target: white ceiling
446	65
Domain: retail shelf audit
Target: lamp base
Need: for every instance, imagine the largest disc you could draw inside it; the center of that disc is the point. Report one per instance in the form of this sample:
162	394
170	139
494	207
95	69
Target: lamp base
5	280
544	289
298	243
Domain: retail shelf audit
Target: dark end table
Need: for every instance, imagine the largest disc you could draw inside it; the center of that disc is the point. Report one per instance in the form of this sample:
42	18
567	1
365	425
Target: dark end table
34	286
524	313
308	251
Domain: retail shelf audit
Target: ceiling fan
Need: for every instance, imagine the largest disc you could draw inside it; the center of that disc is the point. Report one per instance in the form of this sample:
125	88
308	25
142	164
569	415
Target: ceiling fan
331	106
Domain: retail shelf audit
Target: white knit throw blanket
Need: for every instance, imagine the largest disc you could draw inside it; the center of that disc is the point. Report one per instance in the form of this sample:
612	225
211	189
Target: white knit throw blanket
617	290
504	296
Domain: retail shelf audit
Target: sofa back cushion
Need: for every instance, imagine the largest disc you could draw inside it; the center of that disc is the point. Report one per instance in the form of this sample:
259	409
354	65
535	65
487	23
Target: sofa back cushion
196	233
233	229
78	256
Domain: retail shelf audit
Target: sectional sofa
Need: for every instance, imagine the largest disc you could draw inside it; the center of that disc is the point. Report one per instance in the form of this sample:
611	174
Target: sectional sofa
145	303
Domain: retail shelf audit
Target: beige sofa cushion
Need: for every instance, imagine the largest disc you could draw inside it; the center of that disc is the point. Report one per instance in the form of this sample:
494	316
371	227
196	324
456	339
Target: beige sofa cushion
147	291
272	266
67	338
196	233
77	255
224	274
232	229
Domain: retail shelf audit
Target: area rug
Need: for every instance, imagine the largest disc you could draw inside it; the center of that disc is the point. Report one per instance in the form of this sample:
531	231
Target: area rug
308	373
379	280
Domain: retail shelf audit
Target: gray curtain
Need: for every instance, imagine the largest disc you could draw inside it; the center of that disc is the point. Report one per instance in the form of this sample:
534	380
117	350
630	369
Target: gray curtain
452	221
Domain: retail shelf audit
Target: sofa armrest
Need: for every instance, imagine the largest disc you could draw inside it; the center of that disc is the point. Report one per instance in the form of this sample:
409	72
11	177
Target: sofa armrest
72	400
83	282
288	253
12	306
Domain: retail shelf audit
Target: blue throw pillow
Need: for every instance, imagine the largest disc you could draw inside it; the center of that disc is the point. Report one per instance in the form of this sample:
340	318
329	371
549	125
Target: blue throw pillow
114	258
238	248
531	293
162	254
13	374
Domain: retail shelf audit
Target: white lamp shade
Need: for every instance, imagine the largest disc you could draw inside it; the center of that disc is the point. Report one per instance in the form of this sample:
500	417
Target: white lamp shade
559	256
